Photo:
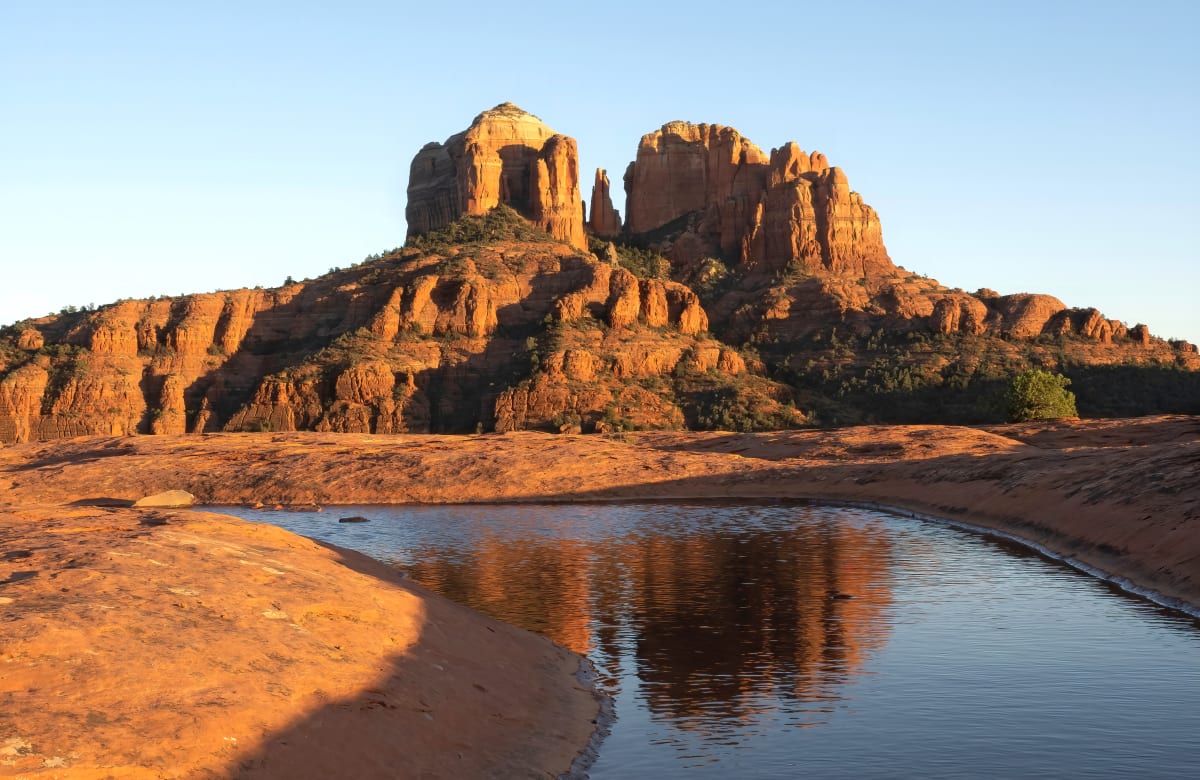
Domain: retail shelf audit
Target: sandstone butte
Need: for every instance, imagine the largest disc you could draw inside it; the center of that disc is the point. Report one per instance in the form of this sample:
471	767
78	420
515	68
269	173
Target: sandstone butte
745	290
168	642
505	156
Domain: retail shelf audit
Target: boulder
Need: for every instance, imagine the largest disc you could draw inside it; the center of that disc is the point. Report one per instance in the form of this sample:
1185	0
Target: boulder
167	499
30	339
1025	315
624	301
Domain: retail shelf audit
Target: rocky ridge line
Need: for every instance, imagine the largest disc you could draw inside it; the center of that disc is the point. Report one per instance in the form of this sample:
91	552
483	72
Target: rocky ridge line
779	306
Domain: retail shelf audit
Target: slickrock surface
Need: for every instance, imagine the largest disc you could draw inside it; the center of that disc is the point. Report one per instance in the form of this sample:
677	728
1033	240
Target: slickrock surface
165	643
1121	495
151	643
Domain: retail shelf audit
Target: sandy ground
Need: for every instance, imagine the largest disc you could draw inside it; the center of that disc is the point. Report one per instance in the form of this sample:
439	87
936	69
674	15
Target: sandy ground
166	613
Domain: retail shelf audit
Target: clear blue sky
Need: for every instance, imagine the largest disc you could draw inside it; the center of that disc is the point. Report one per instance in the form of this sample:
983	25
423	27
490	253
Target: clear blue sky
163	148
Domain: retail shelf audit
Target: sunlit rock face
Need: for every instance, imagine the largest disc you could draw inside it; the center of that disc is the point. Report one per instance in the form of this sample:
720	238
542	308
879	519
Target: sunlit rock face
506	156
711	192
605	221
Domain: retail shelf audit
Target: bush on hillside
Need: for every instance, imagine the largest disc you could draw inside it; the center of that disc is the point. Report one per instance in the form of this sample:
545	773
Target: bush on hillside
502	223
1039	395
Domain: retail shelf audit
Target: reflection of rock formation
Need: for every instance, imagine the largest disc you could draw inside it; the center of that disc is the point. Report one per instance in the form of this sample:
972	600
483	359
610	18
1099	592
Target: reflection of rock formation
539	585
718	623
765	609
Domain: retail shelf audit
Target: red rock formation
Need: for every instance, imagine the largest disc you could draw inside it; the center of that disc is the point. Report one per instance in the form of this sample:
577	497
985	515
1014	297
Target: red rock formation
1024	315
624	299
282	404
114	330
557	205
506	156
540	333
683	308
815	222
605	220
654	303
714	193
171	418
368	399
21	394
684	168
1093	325
30	339
100	397
959	314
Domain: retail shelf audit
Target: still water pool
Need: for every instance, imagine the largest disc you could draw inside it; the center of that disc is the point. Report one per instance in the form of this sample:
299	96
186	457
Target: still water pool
777	641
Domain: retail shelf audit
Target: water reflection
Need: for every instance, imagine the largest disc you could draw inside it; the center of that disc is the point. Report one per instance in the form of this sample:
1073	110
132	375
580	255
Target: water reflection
723	632
723	623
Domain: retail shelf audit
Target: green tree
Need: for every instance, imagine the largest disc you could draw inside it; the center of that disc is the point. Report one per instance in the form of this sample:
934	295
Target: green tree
1039	395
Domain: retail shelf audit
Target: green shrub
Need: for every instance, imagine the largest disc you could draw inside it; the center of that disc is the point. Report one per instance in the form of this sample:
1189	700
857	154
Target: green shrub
643	263
713	280
1039	395
565	419
500	224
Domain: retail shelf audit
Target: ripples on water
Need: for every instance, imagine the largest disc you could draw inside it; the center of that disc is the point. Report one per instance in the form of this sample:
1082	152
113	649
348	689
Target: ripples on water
772	641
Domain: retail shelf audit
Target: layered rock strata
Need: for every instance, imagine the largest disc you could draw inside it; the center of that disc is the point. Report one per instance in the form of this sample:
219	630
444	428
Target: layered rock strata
705	191
411	342
506	156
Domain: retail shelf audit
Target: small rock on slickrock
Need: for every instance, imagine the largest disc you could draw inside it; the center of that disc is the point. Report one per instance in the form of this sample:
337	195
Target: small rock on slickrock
168	499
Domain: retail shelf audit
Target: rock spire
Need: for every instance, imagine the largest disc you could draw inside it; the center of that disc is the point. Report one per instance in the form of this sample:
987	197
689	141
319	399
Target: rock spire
605	221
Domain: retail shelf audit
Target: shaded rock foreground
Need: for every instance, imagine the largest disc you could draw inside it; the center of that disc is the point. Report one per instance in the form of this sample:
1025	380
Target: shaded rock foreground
745	290
155	643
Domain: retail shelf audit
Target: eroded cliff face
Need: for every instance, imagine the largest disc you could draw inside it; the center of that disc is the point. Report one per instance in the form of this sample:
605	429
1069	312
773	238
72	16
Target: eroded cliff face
705	191
805	251
427	339
507	156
